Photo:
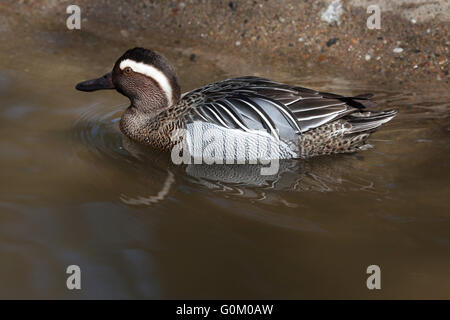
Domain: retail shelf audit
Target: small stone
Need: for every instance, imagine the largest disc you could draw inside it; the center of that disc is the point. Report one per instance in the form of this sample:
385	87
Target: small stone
301	39
333	12
332	41
413	21
398	50
237	43
282	20
367	57
182	5
232	5
124	33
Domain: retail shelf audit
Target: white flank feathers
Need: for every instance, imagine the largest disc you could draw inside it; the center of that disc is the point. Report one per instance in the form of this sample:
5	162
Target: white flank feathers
152	72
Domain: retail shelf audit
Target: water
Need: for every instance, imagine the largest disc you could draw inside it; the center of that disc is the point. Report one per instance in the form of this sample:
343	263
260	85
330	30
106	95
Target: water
75	191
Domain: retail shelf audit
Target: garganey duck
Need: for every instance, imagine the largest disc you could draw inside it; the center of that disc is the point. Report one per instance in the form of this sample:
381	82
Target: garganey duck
302	121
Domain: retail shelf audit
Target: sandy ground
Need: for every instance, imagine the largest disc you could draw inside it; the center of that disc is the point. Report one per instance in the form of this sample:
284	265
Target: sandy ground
312	37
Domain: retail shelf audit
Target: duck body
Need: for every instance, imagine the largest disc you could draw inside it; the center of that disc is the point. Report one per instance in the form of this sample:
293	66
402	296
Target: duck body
245	118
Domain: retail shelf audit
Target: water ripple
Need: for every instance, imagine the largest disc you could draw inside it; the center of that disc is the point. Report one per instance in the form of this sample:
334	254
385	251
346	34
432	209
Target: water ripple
97	129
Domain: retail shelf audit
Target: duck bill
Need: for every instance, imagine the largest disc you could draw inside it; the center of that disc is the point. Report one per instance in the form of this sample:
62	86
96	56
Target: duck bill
101	83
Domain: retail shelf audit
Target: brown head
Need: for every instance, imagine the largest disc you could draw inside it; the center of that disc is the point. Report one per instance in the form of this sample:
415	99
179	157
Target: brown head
142	75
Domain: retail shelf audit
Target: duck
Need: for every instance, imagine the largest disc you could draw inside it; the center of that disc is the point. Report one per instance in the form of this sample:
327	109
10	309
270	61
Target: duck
235	117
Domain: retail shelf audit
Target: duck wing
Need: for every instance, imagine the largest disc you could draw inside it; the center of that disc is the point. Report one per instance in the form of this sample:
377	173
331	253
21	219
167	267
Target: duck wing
253	103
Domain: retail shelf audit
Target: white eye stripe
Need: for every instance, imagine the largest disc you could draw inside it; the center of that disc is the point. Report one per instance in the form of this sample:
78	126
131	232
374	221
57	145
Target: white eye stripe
151	72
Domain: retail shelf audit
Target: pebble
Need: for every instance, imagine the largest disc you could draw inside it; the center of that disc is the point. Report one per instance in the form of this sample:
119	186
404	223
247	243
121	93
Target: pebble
332	41
237	43
367	57
301	39
232	5
124	33
398	50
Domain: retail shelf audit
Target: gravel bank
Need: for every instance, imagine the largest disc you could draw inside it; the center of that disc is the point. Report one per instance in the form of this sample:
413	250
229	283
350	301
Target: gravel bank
308	37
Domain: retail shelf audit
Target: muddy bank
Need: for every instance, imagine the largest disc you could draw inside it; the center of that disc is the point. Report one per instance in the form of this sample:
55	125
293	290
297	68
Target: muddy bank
310	37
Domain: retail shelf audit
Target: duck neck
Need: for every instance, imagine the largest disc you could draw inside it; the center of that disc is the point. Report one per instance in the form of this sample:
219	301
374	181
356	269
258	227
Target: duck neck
136	124
139	121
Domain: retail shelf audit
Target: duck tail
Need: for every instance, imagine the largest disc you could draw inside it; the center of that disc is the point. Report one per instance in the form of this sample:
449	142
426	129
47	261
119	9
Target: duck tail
369	121
360	101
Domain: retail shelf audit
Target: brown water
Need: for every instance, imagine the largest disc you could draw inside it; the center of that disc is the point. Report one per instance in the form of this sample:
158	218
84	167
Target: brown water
75	191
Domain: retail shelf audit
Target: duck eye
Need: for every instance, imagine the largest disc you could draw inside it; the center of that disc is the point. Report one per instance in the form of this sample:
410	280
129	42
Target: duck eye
127	70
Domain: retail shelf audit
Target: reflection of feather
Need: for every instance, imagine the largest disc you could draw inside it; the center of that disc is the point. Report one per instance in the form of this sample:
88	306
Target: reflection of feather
247	181
161	195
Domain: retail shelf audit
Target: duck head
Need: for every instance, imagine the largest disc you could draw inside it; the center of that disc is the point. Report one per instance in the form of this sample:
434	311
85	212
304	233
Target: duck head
142	75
